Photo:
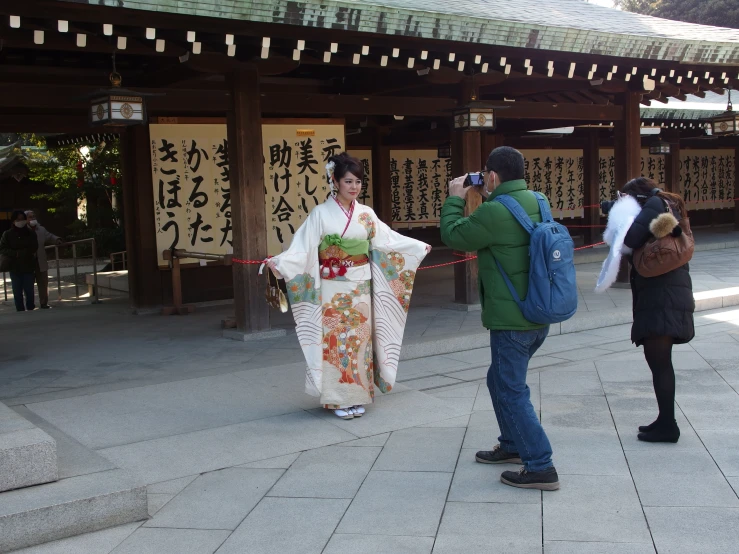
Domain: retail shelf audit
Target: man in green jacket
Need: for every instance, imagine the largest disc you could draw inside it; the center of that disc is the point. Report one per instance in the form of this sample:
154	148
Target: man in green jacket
494	234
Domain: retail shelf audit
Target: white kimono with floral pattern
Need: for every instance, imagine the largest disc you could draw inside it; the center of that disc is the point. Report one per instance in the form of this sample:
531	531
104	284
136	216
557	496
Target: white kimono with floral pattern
350	327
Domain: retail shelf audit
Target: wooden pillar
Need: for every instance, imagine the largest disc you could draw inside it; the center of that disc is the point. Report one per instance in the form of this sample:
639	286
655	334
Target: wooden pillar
144	276
466	158
591	174
247	198
672	161
381	177
628	140
627	153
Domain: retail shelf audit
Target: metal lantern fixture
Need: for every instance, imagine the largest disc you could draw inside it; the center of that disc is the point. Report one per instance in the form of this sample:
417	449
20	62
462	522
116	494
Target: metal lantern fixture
474	116
727	123
117	106
444	151
659	148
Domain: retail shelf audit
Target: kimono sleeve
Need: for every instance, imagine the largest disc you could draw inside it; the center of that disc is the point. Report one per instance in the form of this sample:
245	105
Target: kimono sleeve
394	261
302	256
299	266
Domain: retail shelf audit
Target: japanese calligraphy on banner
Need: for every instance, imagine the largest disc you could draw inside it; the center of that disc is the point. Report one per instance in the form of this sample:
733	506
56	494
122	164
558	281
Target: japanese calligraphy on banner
295	175
192	195
706	176
558	174
418	187
707	179
651	166
365	156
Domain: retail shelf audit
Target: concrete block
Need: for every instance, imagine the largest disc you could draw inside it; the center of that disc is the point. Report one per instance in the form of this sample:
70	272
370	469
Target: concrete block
217	500
372	544
489	527
290	525
70	507
27	454
331	472
27	457
421	450
172	541
398	503
597	508
687	529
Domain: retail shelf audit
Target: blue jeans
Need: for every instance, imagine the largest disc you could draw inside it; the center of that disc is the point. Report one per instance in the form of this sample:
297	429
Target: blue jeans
520	429
22	284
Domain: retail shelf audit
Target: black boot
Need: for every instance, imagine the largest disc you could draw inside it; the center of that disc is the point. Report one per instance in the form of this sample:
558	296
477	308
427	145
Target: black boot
651	426
662	432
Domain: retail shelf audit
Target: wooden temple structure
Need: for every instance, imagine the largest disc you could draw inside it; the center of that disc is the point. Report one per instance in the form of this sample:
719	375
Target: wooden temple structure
389	75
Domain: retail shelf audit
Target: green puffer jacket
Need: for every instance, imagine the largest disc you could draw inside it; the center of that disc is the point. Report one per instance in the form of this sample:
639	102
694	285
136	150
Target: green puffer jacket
493	233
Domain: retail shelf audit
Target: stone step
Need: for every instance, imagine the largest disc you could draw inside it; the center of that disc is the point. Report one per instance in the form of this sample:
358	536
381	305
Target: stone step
69	507
27	454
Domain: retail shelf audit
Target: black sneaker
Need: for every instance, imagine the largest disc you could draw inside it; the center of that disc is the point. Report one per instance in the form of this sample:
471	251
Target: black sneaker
497	456
546	480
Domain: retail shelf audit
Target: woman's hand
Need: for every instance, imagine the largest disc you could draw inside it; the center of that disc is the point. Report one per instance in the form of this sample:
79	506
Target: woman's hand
272	266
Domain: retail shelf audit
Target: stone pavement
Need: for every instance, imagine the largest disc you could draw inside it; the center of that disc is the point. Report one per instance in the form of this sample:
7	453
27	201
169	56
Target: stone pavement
238	460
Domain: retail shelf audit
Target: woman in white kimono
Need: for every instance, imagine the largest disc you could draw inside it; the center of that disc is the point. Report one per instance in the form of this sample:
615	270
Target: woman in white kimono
349	280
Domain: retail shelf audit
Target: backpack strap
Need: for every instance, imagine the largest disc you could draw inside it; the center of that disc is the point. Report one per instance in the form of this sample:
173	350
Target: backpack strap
509	284
544	210
518	213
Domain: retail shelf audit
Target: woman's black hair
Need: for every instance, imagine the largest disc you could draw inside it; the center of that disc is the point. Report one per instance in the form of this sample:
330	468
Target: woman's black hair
347	164
643	189
16	213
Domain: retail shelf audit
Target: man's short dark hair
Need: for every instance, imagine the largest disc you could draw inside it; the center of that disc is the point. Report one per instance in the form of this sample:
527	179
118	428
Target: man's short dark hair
507	162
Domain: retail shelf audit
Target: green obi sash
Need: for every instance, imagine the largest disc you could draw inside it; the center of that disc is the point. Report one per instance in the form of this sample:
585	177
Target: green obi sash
352	247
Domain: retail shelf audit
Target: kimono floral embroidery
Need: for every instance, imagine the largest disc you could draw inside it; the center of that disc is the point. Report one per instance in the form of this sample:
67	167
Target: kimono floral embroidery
345	331
369	224
303	289
349	326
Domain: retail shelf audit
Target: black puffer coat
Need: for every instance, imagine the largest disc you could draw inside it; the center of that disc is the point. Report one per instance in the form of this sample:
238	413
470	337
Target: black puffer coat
662	305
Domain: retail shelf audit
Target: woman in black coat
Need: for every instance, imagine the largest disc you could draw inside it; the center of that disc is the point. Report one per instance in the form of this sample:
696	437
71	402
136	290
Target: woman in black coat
20	245
663	306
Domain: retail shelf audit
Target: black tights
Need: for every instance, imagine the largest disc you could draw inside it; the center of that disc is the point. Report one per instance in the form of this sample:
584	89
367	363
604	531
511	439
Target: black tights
658	353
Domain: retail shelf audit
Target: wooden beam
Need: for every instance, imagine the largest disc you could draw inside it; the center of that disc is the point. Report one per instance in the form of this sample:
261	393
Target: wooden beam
591	175
627	152
247	198
381	176
672	161
466	157
144	277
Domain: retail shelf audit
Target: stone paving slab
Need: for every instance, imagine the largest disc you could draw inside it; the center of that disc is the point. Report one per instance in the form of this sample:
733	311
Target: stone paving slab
296	525
217	500
405	472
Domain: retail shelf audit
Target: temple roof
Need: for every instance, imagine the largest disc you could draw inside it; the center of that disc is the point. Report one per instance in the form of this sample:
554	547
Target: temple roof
558	25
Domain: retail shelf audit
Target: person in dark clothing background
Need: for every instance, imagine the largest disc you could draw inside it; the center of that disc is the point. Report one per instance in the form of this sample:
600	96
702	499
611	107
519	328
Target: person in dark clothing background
19	244
663	307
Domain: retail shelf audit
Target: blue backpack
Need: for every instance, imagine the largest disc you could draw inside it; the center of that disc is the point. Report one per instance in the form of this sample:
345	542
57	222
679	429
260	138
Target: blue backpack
552	294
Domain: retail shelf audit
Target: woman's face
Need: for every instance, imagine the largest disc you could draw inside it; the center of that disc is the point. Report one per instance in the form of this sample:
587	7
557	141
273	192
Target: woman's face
349	187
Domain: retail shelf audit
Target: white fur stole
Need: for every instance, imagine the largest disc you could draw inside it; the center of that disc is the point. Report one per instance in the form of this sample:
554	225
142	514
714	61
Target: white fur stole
620	218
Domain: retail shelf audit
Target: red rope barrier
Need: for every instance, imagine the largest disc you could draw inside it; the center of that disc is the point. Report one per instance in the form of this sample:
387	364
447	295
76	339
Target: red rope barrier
464	259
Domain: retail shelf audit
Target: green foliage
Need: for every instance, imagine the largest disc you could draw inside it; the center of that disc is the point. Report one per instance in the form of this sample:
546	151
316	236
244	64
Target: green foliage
59	169
721	13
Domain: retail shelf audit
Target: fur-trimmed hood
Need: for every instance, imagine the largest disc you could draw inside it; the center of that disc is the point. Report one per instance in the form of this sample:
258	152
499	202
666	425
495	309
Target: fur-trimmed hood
663	225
